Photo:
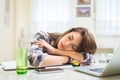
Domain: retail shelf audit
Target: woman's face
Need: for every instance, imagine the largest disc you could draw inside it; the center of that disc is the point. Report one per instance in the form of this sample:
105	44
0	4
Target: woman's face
70	41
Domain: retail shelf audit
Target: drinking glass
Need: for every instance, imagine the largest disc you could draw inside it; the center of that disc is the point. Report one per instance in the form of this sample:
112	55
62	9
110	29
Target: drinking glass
21	60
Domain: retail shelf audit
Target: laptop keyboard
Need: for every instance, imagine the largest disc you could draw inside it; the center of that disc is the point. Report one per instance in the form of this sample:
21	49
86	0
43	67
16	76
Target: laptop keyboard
99	70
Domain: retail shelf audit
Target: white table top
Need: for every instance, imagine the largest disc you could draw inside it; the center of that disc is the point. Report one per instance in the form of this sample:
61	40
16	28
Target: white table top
67	74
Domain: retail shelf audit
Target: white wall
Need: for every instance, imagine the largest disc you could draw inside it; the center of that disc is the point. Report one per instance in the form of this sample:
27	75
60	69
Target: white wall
7	36
22	18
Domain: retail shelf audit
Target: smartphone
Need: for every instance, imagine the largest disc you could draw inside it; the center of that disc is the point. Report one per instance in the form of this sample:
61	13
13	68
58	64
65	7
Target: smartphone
49	70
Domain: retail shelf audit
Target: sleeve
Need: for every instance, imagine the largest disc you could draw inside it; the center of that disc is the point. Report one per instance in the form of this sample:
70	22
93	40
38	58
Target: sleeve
35	53
88	58
42	35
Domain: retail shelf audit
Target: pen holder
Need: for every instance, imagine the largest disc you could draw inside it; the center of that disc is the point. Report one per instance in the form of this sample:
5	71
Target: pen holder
21	60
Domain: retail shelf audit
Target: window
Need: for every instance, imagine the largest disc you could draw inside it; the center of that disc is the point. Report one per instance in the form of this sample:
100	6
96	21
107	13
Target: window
108	17
51	15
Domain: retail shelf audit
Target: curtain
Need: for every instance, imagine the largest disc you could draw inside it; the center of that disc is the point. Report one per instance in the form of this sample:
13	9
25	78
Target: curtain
108	17
51	15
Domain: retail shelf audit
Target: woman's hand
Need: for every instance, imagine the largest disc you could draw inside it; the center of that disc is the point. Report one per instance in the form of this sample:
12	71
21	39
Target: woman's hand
48	47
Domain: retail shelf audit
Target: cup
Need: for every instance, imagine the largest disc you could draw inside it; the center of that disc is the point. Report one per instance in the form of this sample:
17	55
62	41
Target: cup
21	60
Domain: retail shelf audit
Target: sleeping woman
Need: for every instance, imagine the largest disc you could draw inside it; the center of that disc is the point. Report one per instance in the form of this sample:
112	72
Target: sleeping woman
76	44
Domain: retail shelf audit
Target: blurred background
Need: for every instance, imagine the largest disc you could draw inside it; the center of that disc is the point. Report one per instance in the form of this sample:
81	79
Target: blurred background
21	19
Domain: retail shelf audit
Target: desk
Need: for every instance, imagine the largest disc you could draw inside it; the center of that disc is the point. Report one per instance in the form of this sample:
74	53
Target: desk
68	74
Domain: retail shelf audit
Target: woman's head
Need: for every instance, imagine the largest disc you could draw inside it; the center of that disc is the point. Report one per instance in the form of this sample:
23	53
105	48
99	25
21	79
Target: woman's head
70	41
78	39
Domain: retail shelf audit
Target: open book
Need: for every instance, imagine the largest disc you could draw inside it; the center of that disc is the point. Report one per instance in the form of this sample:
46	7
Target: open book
11	65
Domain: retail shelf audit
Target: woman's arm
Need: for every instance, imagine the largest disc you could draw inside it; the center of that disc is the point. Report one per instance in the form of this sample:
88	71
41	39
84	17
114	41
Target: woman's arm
52	50
72	54
50	60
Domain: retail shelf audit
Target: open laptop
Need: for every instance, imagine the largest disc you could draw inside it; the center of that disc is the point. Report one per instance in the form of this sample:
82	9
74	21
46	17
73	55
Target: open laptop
112	68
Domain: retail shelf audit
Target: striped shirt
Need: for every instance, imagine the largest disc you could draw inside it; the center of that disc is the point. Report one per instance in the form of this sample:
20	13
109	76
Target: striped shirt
37	54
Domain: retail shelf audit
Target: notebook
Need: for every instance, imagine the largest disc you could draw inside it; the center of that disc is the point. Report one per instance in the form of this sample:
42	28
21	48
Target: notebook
8	65
112	68
11	65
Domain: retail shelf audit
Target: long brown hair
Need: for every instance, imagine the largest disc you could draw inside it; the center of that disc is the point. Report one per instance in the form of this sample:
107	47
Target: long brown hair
87	44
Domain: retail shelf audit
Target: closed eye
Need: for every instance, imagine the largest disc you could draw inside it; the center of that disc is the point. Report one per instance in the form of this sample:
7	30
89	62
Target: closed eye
74	46
70	37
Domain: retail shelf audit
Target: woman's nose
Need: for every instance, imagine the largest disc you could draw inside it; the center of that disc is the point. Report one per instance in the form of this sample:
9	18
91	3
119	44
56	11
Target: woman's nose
67	44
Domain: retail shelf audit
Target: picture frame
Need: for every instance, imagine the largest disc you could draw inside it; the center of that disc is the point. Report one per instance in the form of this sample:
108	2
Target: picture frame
83	2
83	11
